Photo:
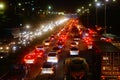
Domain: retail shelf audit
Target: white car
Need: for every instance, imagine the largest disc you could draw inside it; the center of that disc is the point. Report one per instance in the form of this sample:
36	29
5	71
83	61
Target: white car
89	46
47	43
73	44
52	57
47	68
74	51
40	47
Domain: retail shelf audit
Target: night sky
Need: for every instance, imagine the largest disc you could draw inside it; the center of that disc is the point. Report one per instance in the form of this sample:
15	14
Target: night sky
68	5
113	10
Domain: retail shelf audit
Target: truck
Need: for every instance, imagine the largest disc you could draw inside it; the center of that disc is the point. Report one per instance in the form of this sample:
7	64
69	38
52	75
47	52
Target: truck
76	68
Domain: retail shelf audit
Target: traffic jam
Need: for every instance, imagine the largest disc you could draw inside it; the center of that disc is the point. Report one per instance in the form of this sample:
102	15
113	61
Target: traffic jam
53	48
65	45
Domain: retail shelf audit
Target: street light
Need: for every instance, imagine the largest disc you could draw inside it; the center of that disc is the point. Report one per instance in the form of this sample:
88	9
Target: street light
105	2
105	16
97	4
105	20
2	7
49	7
27	26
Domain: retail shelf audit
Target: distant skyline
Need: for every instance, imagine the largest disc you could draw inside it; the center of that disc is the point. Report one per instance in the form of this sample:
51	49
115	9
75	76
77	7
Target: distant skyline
60	5
68	5
113	10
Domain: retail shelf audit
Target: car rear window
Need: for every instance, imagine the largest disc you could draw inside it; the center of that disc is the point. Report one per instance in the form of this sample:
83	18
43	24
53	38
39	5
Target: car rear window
52	54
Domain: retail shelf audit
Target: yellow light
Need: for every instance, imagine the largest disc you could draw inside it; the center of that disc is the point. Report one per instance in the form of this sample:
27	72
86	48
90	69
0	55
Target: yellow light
1	47
7	48
90	4
2	5
96	0
114	0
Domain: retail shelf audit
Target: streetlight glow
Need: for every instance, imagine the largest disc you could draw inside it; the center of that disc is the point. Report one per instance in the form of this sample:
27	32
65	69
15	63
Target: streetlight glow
90	4
98	4
114	0
78	10
27	26
82	7
49	7
19	4
106	0
2	6
96	0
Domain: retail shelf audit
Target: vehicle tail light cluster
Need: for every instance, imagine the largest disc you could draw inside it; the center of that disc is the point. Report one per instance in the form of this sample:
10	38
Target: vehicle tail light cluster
108	40
103	77
29	58
38	53
88	40
63	37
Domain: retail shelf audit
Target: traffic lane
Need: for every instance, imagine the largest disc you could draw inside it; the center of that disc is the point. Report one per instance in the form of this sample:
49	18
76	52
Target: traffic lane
59	71
29	73
91	57
34	69
93	61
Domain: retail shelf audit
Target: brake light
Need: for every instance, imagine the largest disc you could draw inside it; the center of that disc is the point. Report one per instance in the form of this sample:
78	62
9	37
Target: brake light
103	77
118	77
29	58
63	37
108	40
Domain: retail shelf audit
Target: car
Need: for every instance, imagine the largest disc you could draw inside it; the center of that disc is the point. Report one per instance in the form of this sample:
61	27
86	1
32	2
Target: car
47	43
40	47
90	46
47	68
76	68
3	55
57	49
30	58
60	44
73	44
4	48
38	53
52	38
74	51
52	57
76	37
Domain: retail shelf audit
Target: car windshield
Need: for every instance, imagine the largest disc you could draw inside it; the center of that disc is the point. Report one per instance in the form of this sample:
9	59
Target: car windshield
76	65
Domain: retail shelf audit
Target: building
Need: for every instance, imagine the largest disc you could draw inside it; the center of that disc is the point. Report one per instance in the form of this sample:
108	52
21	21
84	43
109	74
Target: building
110	61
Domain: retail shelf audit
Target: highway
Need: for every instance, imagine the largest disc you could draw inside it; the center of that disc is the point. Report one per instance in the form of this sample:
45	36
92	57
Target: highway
90	54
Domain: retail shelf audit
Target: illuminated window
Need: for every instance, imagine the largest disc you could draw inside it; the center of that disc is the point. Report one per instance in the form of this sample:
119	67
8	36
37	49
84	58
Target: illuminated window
105	58
106	68
103	68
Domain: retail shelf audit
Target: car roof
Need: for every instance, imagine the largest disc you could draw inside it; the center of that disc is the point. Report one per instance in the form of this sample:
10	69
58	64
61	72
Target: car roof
76	64
52	54
74	48
47	65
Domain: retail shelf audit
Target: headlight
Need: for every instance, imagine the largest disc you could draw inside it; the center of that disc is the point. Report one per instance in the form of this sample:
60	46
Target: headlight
7	48
1	47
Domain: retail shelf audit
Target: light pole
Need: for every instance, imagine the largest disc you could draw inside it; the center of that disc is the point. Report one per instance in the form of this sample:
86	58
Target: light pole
97	4
105	6
105	20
